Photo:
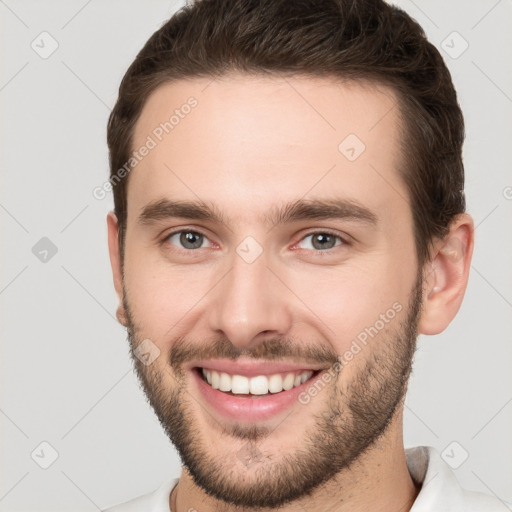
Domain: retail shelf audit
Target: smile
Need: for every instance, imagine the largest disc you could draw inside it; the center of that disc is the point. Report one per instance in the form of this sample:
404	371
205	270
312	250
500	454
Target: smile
257	385
249	392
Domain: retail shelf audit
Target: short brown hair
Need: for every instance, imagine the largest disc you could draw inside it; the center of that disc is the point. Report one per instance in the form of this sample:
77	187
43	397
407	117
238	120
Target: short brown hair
354	40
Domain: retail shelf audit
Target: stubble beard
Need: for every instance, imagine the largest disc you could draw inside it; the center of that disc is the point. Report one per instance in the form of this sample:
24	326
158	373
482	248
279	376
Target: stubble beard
351	422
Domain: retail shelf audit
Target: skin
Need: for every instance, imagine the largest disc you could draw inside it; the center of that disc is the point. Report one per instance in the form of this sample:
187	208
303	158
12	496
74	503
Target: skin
251	145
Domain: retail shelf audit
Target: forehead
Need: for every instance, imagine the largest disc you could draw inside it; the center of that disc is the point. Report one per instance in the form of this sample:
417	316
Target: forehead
249	142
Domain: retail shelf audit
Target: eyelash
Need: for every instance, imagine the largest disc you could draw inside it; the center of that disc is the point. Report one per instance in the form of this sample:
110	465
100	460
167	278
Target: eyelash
320	252
324	252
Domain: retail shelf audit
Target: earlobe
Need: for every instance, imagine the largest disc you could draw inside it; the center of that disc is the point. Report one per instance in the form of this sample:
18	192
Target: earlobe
447	276
116	264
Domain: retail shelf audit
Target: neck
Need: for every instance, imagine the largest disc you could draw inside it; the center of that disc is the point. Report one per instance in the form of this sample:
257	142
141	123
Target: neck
378	480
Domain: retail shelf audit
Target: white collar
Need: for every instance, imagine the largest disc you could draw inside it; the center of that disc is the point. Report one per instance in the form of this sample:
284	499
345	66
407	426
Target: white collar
440	490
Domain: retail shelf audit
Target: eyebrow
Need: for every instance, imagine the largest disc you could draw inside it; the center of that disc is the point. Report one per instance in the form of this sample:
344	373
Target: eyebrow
302	209
320	209
165	209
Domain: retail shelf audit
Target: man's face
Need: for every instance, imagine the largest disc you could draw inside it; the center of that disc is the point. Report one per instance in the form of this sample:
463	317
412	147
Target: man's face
312	260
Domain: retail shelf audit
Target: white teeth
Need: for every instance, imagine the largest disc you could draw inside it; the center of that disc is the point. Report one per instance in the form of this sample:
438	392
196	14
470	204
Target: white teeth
225	382
239	385
259	385
275	383
215	380
288	381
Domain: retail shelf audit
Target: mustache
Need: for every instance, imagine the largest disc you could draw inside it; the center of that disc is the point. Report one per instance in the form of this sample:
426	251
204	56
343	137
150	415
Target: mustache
282	349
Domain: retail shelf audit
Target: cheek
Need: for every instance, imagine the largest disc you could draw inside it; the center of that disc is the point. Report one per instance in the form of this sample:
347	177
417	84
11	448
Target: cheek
161	296
349	302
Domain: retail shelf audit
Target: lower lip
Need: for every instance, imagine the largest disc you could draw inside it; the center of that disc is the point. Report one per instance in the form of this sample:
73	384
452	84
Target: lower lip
249	408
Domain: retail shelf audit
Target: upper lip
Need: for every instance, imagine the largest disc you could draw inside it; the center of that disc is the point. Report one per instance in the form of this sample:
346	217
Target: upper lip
251	368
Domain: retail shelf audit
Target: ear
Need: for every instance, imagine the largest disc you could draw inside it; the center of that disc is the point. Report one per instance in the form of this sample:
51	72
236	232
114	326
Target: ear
116	264
446	276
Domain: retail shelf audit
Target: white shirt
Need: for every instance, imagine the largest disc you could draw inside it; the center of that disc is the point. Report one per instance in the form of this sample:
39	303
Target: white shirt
440	491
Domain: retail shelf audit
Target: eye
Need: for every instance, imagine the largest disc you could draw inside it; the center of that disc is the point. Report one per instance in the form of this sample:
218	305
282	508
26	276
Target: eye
320	241
189	240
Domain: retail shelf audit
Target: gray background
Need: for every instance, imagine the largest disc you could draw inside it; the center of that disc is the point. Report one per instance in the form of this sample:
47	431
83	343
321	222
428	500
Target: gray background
66	375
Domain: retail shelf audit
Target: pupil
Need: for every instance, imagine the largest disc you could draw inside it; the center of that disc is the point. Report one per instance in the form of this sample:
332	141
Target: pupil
191	240
323	241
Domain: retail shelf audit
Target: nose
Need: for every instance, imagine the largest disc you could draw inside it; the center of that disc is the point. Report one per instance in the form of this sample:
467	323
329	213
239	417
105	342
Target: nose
249	304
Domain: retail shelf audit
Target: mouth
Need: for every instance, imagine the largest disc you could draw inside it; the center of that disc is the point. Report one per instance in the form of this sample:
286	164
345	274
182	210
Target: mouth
247	393
258	385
